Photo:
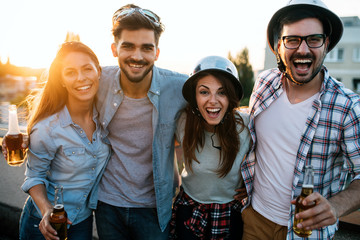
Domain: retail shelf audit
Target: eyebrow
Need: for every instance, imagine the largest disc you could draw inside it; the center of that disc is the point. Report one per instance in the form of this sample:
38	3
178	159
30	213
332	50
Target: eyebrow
220	88
142	45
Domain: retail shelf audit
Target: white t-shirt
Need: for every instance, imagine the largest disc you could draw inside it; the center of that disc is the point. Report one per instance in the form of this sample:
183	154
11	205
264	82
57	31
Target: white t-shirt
278	131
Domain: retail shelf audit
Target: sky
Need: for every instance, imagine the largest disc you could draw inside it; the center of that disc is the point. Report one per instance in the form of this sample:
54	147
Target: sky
32	30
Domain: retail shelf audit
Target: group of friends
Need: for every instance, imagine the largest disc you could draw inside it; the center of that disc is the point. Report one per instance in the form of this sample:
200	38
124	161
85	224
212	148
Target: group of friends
107	134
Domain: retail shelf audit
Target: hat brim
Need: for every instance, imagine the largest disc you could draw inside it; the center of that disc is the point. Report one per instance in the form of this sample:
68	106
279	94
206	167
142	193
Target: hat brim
188	88
335	21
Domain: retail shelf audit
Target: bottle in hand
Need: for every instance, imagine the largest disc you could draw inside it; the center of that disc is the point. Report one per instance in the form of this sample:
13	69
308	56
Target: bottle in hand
15	153
58	218
307	189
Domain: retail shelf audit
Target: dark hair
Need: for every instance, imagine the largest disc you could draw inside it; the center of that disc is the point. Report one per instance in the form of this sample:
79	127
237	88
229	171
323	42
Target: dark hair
297	14
226	131
135	21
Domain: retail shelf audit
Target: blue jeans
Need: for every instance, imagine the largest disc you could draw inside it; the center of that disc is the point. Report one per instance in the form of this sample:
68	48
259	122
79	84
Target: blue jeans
30	220
119	223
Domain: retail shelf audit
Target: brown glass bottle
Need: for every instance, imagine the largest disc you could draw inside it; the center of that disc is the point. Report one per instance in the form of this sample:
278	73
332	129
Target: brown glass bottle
15	153
307	189
58	218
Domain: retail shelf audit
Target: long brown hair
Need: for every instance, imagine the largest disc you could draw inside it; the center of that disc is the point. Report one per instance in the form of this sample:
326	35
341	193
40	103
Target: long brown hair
51	98
228	135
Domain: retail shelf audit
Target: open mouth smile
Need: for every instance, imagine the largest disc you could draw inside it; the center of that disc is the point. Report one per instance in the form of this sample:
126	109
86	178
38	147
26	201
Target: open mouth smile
302	65
83	88
213	112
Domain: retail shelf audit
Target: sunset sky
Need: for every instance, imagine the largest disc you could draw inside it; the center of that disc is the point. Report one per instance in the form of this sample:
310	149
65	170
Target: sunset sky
31	30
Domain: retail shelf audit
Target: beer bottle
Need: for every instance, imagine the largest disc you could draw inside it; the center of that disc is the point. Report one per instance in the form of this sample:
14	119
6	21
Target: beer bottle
58	218
307	189
14	138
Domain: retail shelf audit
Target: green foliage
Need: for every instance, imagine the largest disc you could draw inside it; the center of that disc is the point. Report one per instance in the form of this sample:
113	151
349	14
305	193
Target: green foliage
246	74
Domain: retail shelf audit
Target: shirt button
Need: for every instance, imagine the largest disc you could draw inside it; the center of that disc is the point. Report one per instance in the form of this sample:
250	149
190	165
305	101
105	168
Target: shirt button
103	123
115	104
81	131
89	143
93	169
73	152
94	156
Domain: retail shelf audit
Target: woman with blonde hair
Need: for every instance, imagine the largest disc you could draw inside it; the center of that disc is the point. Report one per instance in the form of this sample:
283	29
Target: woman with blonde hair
65	147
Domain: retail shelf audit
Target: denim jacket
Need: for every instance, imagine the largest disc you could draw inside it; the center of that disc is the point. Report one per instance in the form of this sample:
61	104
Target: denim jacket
165	94
61	154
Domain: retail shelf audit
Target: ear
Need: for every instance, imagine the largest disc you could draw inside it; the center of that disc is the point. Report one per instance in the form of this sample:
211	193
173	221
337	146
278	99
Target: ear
327	42
157	53
278	46
114	49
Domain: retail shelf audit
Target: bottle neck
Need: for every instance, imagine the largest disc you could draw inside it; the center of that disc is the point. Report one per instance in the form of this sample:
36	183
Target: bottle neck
13	123
58	198
309	177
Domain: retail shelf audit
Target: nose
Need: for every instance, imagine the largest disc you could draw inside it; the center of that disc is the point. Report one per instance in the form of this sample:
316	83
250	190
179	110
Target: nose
303	47
81	76
213	99
137	55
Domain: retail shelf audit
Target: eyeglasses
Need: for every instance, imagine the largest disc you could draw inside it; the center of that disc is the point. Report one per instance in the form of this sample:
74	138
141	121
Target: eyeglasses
312	41
146	13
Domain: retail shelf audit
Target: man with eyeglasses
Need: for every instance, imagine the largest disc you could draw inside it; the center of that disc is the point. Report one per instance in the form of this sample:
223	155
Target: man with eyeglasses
300	116
138	105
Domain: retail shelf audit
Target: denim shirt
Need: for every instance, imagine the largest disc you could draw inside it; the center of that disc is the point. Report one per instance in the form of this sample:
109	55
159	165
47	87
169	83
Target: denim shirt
165	94
61	154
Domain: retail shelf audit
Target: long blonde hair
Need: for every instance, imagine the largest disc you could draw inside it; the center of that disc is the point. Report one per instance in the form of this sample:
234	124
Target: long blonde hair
51	98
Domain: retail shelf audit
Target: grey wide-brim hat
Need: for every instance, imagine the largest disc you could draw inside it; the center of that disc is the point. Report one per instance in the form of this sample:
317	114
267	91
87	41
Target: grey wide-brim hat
315	5
213	64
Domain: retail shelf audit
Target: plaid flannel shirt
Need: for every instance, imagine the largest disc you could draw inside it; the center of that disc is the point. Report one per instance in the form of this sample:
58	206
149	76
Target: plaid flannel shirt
330	141
214	216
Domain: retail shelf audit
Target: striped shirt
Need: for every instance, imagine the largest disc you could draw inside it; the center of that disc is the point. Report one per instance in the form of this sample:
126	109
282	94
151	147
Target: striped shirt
330	141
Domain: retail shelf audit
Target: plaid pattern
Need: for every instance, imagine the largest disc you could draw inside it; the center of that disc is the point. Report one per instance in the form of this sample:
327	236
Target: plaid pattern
330	141
214	216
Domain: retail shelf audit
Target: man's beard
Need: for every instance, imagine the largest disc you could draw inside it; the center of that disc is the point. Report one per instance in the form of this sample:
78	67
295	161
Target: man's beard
289	75
136	79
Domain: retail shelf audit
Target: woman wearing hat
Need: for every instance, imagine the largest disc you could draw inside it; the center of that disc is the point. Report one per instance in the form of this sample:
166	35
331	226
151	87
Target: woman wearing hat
214	138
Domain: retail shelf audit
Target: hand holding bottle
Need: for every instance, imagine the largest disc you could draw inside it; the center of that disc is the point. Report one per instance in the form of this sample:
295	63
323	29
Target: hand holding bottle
15	143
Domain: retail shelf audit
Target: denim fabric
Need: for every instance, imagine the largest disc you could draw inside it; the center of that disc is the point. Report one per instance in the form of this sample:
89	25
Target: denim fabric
30	220
117	223
166	96
61	154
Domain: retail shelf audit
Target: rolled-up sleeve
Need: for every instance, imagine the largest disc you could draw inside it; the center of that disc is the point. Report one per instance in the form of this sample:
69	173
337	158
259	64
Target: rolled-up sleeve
41	152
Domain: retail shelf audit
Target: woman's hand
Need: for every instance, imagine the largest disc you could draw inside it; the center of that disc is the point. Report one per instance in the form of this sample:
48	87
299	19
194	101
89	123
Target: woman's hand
46	228
241	194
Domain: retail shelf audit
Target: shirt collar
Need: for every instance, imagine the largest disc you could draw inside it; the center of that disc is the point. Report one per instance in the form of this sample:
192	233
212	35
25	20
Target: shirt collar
65	118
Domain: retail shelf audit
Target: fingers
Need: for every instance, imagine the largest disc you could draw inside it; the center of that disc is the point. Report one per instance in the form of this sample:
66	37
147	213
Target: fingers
320	213
25	142
3	147
47	230
240	194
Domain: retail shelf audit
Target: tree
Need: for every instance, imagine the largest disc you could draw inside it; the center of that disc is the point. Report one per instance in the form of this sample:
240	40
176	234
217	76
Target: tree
246	74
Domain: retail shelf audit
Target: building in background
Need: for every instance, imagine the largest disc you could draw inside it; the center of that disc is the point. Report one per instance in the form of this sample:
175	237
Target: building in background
343	62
